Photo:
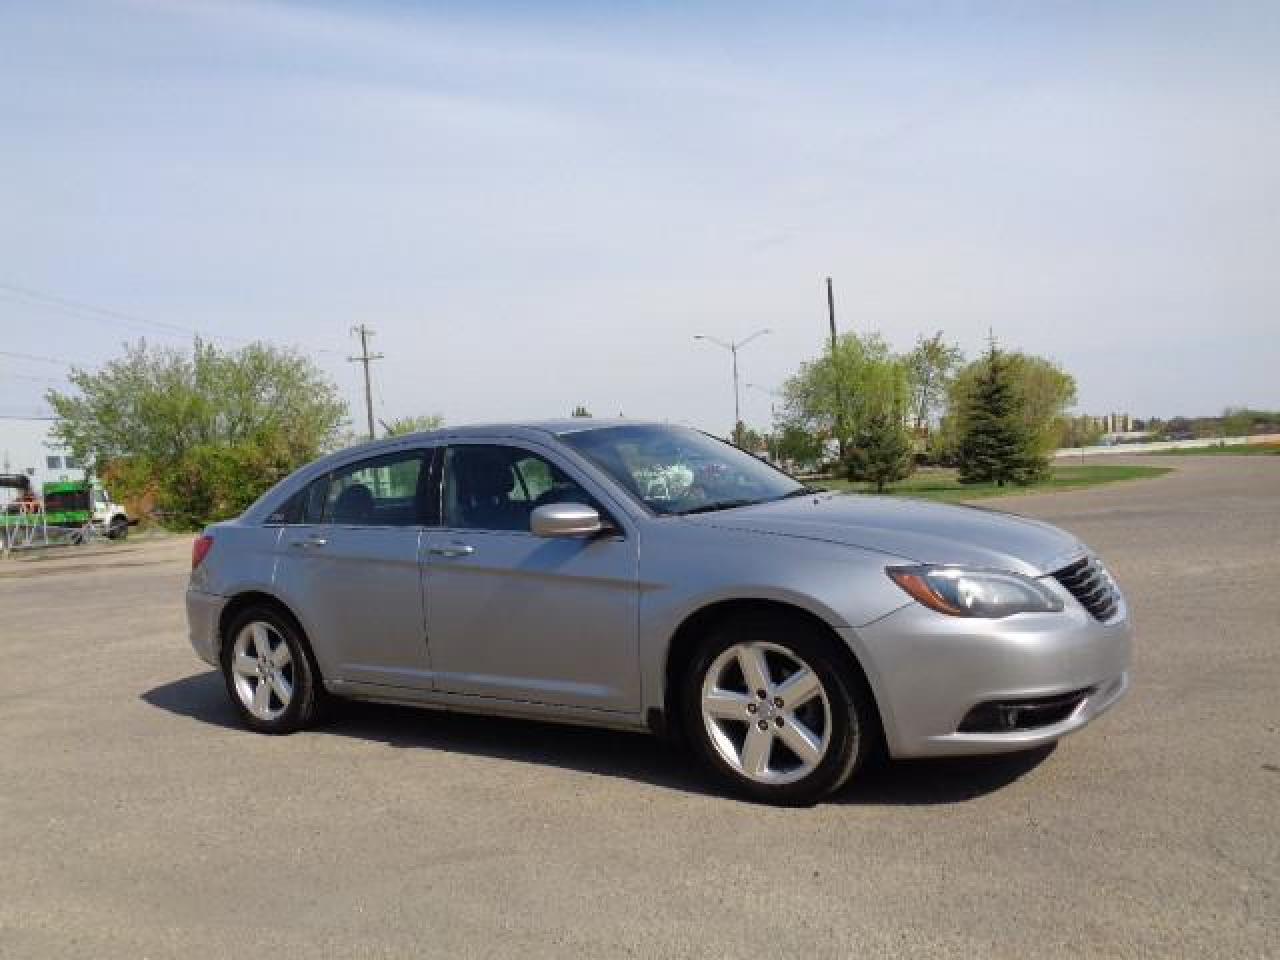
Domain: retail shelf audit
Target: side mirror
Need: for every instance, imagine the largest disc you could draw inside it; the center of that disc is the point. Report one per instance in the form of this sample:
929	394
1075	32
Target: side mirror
565	520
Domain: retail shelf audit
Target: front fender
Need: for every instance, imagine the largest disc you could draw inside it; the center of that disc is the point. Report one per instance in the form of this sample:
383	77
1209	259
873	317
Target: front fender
684	571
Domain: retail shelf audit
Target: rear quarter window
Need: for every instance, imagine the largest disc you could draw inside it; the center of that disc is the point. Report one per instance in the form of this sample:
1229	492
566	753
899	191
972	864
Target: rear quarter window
305	506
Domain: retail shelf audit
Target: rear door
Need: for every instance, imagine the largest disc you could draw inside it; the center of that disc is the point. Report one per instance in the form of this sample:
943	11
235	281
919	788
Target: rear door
351	567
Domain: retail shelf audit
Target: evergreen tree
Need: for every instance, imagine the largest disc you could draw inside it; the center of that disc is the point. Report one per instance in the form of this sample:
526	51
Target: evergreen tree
997	446
881	452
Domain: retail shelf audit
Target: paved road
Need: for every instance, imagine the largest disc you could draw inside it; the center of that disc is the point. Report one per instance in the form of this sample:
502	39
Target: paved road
137	821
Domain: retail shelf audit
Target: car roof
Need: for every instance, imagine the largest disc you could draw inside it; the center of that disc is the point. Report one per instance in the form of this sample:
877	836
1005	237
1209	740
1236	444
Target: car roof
527	429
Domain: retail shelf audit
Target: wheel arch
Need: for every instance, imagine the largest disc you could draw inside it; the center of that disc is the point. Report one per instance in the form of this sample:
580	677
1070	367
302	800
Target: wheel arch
248	598
699	624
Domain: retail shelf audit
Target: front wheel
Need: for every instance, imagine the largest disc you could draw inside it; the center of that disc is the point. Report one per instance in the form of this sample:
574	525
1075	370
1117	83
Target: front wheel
771	711
269	674
119	528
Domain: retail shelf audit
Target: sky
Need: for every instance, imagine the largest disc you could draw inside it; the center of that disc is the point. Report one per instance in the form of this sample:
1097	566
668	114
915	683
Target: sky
537	206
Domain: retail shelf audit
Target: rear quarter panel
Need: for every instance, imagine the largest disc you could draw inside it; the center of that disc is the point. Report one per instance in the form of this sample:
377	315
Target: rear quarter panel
242	559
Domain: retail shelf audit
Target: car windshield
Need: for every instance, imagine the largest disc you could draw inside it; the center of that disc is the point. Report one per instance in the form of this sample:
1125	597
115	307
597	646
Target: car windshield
675	470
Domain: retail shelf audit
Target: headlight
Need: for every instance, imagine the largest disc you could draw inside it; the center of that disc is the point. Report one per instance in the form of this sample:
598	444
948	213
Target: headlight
960	592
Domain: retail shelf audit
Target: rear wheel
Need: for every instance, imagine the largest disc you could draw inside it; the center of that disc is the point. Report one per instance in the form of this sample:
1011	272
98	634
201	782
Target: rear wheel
770	710
269	673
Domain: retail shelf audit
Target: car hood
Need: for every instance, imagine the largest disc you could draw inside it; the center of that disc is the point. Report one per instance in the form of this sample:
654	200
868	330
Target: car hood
911	529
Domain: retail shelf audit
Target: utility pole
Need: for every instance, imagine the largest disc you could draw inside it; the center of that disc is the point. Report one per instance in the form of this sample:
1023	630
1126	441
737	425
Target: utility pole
831	318
365	358
831	315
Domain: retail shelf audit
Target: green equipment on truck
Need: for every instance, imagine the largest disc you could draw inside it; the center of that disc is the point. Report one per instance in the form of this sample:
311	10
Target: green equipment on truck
79	504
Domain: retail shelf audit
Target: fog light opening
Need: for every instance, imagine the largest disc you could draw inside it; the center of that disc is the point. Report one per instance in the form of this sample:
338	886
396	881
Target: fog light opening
1009	716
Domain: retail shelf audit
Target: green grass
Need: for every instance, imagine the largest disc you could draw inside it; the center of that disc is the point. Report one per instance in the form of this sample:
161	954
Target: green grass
935	483
1231	449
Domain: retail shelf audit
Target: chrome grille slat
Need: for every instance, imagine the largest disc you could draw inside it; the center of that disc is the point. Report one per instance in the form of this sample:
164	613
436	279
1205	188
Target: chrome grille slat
1088	581
1095	595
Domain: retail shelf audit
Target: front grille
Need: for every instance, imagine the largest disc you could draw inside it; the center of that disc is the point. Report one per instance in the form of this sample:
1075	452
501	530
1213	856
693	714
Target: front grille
1089	582
1008	716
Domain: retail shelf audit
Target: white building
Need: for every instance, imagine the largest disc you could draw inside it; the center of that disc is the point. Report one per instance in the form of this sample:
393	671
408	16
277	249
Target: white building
27	446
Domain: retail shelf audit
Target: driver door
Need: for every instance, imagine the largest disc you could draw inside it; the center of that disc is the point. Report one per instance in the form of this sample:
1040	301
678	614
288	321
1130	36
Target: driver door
518	617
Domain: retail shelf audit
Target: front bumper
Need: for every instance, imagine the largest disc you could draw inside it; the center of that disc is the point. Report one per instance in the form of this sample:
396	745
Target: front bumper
928	671
204	610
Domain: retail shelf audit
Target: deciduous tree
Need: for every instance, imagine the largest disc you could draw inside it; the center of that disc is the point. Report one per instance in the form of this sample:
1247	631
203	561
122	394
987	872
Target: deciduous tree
931	366
204	433
401	426
836	394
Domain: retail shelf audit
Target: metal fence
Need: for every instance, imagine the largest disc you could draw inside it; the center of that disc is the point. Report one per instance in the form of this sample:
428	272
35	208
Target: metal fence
24	526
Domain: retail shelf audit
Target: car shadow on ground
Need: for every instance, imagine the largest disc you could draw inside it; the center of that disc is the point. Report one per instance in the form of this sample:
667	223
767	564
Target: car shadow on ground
610	753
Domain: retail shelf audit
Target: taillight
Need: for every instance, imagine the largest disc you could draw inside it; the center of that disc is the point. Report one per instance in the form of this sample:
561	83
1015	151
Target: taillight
200	549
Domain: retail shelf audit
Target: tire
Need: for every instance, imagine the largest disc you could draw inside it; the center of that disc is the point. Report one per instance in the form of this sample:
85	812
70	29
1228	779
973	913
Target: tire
273	692
119	528
832	716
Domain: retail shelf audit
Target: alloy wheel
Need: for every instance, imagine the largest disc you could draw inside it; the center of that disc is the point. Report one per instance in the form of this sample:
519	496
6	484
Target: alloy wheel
262	670
766	713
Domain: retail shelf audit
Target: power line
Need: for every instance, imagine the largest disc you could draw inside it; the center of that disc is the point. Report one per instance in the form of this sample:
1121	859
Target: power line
365	358
91	311
39	358
25	376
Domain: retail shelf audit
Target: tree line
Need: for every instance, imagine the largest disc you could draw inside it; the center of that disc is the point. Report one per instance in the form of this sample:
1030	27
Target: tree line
872	414
195	436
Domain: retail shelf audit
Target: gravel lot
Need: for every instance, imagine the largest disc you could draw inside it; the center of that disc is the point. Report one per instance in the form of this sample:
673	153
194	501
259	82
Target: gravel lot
137	821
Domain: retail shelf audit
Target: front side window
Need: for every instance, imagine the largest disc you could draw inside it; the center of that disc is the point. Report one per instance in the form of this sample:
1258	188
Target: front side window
386	491
498	488
675	470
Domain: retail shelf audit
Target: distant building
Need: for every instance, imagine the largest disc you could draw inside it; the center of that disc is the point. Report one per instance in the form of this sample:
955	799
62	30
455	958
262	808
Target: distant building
28	447
1114	423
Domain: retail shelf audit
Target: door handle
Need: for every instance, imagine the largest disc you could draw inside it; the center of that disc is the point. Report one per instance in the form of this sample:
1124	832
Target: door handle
309	543
452	550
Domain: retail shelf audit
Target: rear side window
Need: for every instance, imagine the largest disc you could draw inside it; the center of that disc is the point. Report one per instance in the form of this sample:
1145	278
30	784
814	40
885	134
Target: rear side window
386	491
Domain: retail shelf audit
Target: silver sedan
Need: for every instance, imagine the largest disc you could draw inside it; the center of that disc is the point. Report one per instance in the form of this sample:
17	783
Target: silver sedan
650	577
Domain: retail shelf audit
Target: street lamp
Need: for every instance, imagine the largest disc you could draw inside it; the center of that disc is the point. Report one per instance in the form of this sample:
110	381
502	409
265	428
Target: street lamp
733	347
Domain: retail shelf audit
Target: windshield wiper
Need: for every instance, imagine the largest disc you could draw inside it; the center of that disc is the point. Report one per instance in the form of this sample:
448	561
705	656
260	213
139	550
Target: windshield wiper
800	492
718	505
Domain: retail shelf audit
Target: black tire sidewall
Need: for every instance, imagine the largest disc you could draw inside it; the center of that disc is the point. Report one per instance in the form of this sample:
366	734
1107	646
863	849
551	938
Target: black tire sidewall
849	733
302	707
